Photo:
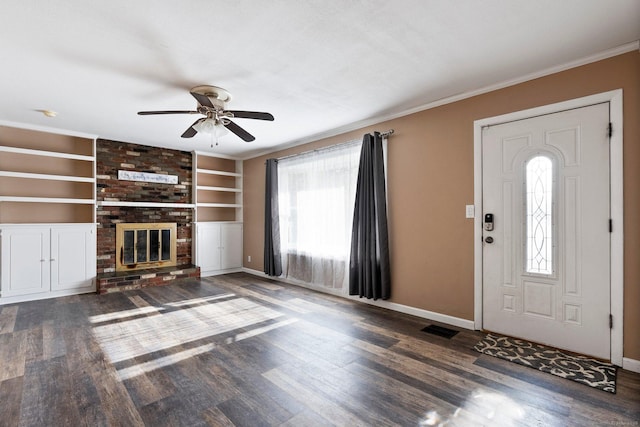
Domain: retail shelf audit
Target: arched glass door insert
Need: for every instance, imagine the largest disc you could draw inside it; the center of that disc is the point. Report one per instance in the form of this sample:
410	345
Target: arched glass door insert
539	215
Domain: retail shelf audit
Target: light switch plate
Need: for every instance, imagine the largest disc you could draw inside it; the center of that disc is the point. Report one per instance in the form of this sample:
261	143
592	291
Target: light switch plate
471	211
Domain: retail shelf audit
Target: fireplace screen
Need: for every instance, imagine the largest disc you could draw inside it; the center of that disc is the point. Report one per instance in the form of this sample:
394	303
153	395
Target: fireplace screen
145	245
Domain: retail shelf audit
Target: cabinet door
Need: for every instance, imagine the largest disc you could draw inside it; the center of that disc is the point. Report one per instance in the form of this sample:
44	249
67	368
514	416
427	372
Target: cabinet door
25	261
73	257
208	247
231	244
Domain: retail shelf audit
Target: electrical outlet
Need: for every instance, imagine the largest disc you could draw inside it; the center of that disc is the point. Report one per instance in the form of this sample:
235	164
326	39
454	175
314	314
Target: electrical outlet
248	258
471	211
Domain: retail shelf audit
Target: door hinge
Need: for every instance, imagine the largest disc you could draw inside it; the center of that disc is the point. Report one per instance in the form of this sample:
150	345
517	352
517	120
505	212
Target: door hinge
611	321
610	129
610	226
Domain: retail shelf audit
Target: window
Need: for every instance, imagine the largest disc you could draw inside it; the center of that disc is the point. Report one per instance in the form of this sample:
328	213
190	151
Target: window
316	193
539	215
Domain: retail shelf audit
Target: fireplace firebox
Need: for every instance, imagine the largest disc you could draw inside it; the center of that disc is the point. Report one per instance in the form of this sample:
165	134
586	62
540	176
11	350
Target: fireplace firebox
145	245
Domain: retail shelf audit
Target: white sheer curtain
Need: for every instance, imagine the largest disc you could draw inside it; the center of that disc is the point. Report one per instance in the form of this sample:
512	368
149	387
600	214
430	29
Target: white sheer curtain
316	196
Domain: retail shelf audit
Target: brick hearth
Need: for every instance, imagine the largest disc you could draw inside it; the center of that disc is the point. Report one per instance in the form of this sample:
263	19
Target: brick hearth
136	279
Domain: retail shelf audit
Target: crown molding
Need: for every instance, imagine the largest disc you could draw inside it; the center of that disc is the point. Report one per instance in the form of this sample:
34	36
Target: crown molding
609	53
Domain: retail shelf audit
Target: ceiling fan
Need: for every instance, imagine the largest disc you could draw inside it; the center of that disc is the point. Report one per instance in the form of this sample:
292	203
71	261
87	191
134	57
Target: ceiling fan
211	103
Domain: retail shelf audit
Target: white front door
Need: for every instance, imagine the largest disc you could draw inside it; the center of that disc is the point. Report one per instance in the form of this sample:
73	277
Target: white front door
546	263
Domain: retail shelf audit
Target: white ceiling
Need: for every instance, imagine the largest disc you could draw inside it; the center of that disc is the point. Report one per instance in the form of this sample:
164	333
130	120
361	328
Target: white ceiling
317	66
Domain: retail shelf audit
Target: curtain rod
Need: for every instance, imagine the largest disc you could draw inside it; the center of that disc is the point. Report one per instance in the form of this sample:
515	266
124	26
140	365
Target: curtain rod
382	134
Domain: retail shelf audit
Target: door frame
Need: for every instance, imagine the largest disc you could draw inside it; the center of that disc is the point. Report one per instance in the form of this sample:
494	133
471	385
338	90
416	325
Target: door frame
614	98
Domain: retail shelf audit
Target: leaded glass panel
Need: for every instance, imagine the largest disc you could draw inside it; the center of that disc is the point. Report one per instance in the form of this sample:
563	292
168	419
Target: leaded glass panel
539	213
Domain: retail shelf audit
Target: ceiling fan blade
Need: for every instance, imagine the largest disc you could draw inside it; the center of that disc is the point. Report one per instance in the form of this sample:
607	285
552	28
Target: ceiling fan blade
251	115
246	136
148	113
202	99
189	133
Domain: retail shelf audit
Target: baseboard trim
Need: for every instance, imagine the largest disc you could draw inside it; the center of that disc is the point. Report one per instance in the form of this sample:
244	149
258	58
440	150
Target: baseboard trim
48	295
631	364
293	282
401	308
418	312
210	273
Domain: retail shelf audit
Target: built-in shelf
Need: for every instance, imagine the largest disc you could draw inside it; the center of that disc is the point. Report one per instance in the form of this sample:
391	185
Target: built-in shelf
46	177
55	154
146	204
217	185
217	172
46	200
219	222
228	189
46	166
219	205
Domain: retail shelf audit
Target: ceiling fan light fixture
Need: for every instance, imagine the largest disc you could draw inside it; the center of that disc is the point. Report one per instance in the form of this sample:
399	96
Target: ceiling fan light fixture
212	104
212	126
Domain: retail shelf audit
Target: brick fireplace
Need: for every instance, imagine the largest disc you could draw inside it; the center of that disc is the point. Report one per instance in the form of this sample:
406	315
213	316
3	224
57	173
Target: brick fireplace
123	201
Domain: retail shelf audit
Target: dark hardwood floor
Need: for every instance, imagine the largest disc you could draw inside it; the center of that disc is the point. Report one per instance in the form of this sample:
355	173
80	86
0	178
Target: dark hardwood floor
241	350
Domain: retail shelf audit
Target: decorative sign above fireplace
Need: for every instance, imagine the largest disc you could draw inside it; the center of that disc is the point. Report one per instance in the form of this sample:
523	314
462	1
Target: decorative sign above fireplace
147	177
146	245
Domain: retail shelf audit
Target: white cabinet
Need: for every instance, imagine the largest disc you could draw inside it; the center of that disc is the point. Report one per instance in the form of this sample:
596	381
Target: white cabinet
208	248
73	257
43	261
218	247
25	260
230	246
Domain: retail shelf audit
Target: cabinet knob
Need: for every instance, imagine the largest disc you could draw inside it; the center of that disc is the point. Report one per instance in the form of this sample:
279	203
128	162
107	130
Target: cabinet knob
52	259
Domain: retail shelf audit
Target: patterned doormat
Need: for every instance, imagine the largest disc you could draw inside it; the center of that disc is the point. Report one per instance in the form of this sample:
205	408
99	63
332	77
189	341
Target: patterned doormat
576	368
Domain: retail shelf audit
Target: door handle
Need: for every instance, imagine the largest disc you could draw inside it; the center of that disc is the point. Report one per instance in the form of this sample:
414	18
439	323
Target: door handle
489	240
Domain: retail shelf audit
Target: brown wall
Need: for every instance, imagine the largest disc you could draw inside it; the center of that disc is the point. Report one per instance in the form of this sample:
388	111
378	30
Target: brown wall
431	180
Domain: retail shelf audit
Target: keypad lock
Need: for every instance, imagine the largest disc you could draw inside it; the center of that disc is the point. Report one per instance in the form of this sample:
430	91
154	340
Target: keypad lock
488	222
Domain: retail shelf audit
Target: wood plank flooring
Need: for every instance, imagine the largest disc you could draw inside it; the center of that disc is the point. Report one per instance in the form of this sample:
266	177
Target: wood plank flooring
239	350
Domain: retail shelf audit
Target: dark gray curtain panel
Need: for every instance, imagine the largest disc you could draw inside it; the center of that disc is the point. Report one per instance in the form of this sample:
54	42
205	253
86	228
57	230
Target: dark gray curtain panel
272	260
369	273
